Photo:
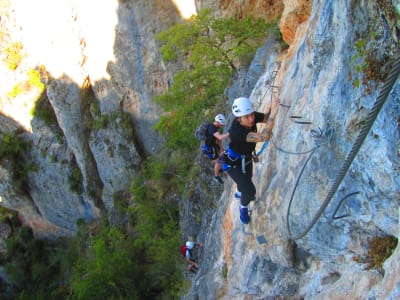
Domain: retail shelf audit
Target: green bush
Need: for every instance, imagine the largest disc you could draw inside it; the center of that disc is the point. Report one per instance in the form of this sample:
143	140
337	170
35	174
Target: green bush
12	149
13	55
367	64
117	267
44	111
17	90
32	82
212	49
32	265
75	180
108	271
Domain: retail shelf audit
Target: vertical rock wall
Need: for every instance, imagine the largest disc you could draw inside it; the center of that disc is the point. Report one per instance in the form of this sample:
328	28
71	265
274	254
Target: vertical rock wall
317	82
114	58
101	65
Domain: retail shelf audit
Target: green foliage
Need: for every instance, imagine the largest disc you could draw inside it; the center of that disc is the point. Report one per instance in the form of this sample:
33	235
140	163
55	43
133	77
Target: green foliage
225	271
108	270
155	219
367	63
4	214
13	55
33	265
44	111
33	81
17	90
75	179
100	262
101	121
12	148
212	49
126	122
205	40
116	267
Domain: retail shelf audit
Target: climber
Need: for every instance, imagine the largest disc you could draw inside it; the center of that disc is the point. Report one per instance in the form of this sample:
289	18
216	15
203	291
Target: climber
244	136
186	251
214	140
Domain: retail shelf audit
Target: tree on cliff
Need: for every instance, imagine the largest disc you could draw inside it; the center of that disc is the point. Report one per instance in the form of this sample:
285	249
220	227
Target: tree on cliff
212	49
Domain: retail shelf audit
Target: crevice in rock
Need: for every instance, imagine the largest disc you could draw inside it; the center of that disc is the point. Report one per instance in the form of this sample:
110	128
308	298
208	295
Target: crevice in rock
139	146
301	258
94	183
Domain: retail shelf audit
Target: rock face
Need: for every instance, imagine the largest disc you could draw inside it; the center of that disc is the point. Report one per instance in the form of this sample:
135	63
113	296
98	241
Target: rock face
101	71
317	81
269	10
295	14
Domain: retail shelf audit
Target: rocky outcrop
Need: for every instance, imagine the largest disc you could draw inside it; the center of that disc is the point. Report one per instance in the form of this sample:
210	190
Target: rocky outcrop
295	14
317	82
100	71
269	10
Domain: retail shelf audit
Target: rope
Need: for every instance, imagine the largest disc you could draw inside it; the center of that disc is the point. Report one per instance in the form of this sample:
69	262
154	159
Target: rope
320	137
270	83
292	152
263	147
384	93
316	134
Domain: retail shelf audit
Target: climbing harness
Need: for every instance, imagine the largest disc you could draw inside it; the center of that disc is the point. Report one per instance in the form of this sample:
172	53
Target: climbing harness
254	157
383	95
234	158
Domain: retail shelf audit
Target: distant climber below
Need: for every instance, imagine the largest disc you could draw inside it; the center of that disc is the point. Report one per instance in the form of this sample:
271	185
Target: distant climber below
187	252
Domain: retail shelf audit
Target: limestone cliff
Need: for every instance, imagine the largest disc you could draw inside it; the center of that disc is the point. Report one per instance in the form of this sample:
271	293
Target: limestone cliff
101	66
317	80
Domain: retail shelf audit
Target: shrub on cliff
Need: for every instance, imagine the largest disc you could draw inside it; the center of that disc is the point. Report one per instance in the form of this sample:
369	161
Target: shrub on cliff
212	49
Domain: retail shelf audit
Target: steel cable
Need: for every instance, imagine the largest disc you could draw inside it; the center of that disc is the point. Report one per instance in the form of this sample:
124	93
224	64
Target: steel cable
384	93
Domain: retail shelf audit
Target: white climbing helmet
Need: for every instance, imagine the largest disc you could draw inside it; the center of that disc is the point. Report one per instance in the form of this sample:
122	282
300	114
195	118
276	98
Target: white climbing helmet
220	119
242	106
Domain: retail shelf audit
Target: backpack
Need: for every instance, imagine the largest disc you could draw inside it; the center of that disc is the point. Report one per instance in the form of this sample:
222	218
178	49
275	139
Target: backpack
208	146
201	131
183	250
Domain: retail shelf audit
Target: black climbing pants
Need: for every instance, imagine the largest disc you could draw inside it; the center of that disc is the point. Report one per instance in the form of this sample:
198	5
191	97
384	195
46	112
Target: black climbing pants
244	182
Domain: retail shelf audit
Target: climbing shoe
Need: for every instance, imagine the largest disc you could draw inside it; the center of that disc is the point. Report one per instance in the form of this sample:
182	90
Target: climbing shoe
244	214
238	195
218	179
